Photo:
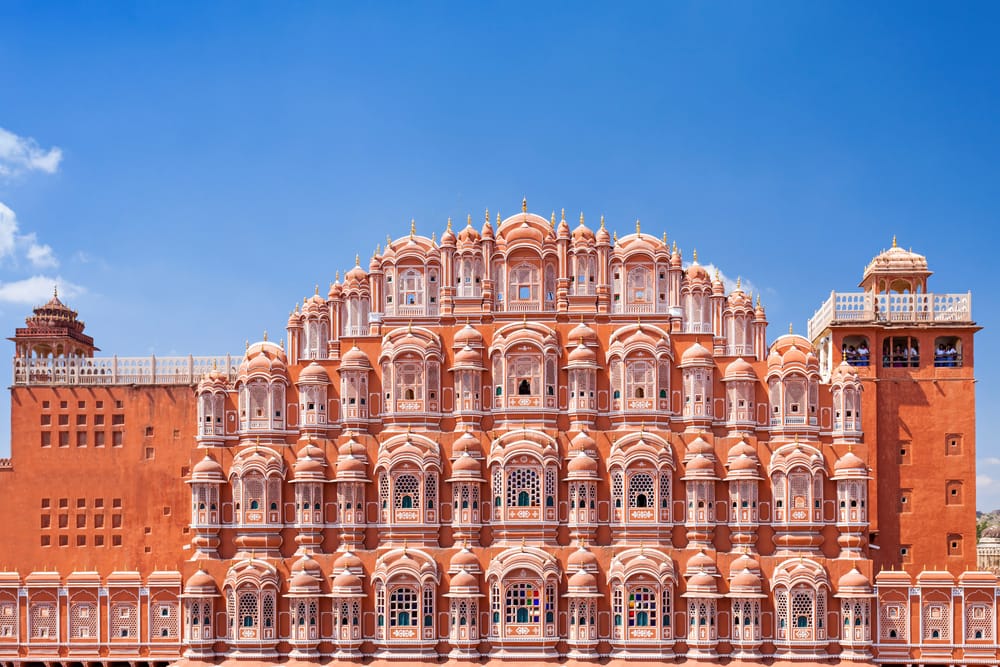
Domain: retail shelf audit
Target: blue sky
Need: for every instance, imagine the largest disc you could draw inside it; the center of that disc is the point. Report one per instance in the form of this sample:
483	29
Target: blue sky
188	172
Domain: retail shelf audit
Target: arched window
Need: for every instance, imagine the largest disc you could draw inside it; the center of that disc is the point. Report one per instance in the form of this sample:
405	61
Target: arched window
411	288
640	286
524	285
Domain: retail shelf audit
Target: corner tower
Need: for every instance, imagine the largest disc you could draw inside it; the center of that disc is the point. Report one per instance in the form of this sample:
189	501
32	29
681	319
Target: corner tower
912	351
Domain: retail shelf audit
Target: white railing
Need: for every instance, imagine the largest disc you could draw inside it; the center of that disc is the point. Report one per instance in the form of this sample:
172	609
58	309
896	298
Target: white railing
868	307
633	308
120	370
412	310
739	350
356	330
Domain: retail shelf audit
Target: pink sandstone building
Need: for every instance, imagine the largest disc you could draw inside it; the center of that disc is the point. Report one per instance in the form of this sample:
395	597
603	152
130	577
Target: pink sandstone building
521	442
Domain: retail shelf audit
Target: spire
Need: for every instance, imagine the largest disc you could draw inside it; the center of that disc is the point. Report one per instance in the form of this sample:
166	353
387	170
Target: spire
434	238
614	236
562	215
265	335
638	227
790	328
581	217
388	241
468	220
664	239
317	288
694	255
602	222
449	223
674	249
357	260
552	220
739	282
487	215
338	276
413	227
55	291
894	241
524	205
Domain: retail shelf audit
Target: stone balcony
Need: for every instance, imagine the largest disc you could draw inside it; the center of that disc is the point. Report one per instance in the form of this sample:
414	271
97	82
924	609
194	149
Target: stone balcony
844	307
151	370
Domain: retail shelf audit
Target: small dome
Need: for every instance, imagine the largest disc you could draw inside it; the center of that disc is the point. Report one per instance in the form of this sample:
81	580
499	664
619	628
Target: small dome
468	335
741	448
468	234
582	354
740	369
696	273
793	356
583	234
448	238
347	580
700	561
742	462
355	359
466	464
468	357
523	233
700	446
700	464
355	277
581	558
582	442
467	443
207	467
348	561
582	332
603	236
850	461
583	579
582	463
200	581
745	579
303	581
351	466
464	580
701	581
696	354
314	374
464	559
853	579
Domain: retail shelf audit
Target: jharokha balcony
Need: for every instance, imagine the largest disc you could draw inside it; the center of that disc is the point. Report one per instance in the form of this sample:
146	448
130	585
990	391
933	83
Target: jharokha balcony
855	307
117	370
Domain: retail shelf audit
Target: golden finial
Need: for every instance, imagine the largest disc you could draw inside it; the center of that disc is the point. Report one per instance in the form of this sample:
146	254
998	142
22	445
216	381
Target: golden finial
304	299
664	239
552	219
894	241
317	288
739	282
215	365
449	223
413	226
638	227
524	205
499	219
674	249
246	342
434	237
758	299
562	215
790	327
694	255
281	343
602	222
378	248
338	275
265	335
718	277
581	217
487	215
388	241
614	237
357	260
468	220
55	291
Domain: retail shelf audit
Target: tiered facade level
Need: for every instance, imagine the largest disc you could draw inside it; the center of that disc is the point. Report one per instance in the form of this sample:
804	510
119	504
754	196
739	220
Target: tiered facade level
523	442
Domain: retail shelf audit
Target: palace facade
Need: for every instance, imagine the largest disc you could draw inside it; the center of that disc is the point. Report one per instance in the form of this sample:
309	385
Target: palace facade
523	441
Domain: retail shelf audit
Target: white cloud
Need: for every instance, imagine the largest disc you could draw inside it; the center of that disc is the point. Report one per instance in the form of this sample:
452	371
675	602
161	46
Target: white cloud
37	289
21	154
983	481
40	255
8	231
727	282
12	243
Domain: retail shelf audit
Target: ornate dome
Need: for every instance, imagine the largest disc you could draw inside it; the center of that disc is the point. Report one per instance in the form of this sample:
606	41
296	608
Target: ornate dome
314	374
696	355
